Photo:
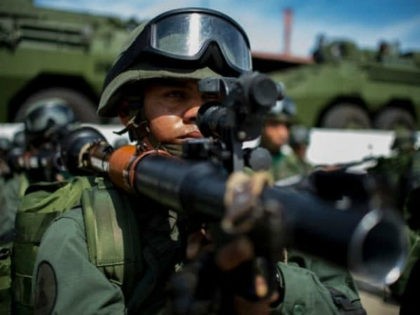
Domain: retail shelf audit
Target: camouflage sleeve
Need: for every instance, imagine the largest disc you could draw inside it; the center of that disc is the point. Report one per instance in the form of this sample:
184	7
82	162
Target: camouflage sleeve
65	282
312	286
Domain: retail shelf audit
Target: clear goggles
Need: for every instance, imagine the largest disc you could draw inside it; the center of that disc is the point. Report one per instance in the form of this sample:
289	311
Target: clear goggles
48	116
186	35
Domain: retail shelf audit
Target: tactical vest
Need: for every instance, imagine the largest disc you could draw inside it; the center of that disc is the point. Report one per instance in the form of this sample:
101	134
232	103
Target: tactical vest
45	202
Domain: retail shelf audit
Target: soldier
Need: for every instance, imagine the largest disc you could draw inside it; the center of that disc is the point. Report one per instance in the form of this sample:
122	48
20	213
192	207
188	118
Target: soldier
275	133
44	124
114	253
295	164
33	159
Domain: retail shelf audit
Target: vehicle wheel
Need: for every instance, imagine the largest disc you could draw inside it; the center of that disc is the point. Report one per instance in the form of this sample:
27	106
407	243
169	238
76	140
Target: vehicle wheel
346	116
395	118
83	108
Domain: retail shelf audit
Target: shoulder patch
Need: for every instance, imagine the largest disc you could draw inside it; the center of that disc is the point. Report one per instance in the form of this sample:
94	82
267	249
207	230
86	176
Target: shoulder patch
45	289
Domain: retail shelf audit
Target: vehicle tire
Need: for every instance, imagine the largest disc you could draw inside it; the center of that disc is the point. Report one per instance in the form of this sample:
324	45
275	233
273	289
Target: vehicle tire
84	109
346	116
394	118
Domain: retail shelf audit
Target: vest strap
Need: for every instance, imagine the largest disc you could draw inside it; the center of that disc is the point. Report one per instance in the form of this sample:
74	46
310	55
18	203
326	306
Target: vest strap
115	253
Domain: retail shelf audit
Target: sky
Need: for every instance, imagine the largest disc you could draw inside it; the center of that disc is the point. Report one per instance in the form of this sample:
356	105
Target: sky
365	22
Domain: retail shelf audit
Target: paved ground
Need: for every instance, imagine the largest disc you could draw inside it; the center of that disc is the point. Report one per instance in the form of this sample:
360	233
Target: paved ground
375	306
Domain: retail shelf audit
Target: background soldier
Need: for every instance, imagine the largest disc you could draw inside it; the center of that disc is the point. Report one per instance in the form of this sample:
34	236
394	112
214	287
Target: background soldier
275	133
46	123
33	158
295	164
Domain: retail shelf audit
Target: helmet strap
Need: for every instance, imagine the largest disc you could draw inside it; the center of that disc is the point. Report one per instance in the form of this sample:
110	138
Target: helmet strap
139	131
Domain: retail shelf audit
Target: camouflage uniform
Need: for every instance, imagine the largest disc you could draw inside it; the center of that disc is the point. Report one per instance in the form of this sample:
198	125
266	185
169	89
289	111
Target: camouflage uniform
72	276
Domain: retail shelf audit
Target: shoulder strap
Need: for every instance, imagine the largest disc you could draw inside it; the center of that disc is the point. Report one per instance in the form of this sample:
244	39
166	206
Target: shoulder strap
112	233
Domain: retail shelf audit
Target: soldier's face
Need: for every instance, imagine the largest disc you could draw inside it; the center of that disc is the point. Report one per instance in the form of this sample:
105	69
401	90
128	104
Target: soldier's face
171	109
276	133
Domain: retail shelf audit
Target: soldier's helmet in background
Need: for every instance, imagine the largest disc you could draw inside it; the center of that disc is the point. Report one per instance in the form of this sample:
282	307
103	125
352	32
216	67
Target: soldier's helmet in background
47	121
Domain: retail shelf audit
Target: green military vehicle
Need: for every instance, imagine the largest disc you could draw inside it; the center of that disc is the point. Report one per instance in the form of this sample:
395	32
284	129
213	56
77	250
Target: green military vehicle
48	53
348	87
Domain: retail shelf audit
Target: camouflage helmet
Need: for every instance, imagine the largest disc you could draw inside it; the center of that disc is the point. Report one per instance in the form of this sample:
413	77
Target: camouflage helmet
189	43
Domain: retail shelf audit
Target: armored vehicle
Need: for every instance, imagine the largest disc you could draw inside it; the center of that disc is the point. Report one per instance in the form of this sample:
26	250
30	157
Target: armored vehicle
349	87
47	53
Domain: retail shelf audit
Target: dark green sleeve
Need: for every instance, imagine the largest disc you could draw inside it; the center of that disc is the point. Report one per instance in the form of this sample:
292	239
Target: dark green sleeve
65	282
312	286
